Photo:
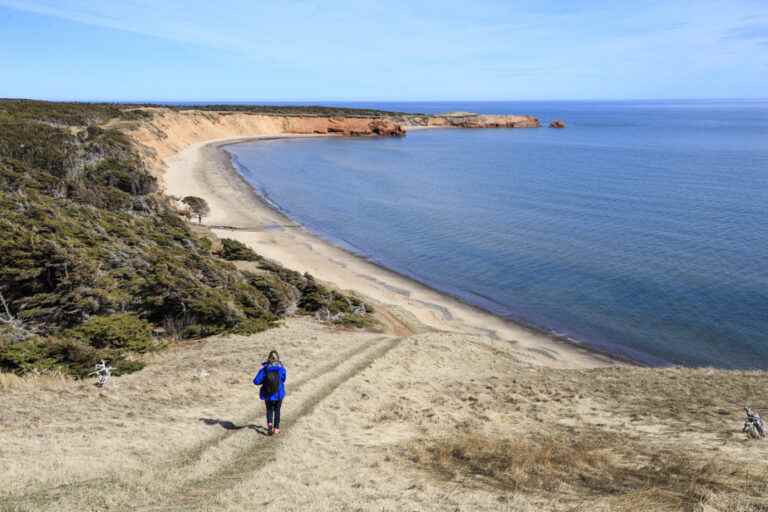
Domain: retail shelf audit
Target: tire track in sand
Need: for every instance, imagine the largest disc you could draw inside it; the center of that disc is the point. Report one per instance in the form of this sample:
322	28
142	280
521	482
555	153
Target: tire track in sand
39	497
196	452
247	462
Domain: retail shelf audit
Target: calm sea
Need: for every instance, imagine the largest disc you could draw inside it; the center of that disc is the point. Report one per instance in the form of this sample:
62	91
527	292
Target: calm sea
640	229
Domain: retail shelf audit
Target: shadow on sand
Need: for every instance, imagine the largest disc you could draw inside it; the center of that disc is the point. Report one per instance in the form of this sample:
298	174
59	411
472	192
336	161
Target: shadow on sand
228	425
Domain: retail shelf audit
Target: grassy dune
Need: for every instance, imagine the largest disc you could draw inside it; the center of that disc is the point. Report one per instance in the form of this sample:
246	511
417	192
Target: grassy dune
430	421
622	439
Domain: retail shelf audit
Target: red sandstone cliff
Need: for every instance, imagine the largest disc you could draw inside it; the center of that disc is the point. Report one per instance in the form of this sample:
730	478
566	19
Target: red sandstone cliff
169	130
349	126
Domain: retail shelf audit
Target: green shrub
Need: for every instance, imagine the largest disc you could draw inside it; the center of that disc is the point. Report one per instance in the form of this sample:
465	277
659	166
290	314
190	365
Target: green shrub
252	326
92	259
199	330
357	321
26	356
75	356
282	296
314	296
45	354
206	244
120	175
233	250
121	331
122	367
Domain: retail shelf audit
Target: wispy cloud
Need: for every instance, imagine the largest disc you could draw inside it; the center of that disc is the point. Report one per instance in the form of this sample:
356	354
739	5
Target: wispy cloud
75	11
755	31
488	48
191	21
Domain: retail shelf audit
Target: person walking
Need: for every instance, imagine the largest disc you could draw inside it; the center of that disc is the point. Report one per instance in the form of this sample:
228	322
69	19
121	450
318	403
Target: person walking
271	378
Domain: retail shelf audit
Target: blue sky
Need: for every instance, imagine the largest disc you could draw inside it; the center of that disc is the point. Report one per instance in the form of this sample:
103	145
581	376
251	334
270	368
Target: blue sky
241	50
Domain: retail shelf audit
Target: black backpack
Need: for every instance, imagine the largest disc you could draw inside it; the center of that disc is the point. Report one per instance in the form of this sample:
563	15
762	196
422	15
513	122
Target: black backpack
271	382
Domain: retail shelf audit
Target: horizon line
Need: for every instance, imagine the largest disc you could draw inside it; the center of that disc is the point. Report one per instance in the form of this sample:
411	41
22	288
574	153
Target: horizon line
308	102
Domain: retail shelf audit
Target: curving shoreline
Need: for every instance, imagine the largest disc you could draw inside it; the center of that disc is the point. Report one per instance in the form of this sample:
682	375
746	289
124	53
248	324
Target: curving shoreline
264	197
205	169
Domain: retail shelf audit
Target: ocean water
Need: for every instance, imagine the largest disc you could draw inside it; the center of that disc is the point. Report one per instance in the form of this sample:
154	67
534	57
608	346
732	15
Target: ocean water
641	229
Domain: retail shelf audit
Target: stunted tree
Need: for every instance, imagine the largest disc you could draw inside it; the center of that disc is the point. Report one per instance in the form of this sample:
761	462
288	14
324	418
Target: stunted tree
197	206
16	329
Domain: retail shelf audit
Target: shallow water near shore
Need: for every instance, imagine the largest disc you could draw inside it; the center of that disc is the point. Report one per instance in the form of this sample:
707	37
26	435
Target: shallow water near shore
641	229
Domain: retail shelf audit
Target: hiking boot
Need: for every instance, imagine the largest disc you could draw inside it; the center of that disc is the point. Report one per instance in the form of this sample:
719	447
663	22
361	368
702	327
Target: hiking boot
270	429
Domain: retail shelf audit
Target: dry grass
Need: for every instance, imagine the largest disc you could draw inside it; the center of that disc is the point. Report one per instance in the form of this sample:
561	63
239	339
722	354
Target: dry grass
148	437
366	431
515	464
9	381
594	467
699	395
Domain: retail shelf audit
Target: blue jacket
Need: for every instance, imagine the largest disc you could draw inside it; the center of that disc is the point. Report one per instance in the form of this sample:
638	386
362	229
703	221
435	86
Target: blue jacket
259	379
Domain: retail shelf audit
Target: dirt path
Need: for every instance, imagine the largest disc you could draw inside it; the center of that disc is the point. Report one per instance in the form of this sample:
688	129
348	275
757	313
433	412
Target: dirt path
220	462
256	415
196	493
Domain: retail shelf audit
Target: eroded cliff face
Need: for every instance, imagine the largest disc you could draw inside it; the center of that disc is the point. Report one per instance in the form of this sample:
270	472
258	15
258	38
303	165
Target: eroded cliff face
348	126
169	131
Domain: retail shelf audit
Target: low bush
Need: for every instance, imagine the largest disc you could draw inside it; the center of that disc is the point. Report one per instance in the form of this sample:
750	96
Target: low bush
233	250
26	355
55	355
356	321
120	175
119	331
282	296
94	261
253	326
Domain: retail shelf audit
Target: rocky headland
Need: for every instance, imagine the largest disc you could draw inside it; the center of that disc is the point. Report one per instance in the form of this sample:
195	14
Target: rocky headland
469	120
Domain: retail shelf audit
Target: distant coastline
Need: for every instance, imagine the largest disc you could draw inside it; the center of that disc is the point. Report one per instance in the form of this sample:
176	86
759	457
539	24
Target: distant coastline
182	148
611	248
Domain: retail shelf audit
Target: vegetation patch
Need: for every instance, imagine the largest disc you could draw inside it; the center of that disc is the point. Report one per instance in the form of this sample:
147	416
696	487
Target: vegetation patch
592	465
233	250
289	291
60	355
119	331
95	263
296	110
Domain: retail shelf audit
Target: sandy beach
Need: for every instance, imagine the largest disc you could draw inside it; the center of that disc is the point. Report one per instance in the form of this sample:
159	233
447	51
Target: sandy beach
204	169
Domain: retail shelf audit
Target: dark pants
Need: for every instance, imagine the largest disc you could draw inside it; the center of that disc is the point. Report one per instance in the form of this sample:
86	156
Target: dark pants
273	412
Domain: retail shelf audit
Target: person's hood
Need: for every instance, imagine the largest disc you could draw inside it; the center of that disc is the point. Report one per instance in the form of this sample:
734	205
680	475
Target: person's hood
276	363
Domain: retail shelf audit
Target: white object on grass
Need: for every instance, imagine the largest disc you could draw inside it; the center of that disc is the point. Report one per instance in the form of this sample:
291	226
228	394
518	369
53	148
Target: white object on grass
103	372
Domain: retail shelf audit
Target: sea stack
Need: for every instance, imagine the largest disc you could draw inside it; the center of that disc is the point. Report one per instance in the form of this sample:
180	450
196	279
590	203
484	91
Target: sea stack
557	123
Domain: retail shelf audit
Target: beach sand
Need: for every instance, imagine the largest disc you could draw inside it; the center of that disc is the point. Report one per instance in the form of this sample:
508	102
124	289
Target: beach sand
204	170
